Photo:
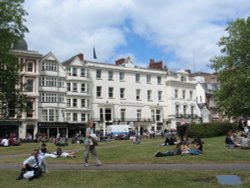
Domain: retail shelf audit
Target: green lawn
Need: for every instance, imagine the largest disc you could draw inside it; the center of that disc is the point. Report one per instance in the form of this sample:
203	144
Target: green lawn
122	179
125	152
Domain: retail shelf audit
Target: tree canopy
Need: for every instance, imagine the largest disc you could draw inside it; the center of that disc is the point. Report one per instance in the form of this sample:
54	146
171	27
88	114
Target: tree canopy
233	69
12	29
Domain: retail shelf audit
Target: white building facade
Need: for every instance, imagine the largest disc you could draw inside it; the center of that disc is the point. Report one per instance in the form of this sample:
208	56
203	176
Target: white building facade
52	94
126	94
78	97
181	99
64	96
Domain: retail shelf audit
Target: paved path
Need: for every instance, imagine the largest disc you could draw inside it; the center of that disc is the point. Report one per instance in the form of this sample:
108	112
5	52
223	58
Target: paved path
124	167
139	167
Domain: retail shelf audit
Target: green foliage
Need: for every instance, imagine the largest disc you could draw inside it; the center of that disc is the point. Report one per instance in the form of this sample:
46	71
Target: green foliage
233	68
12	14
11	23
182	130
209	130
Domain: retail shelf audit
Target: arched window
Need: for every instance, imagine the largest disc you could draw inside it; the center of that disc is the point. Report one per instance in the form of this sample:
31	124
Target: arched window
183	79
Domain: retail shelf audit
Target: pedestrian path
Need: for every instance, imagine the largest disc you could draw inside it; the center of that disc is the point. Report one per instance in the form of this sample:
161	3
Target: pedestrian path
139	167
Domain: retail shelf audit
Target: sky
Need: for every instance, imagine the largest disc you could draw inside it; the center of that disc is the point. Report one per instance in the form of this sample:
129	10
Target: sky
184	34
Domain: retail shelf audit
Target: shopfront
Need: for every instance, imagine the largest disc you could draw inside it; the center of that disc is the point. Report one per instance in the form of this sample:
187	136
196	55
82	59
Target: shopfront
76	128
9	128
52	129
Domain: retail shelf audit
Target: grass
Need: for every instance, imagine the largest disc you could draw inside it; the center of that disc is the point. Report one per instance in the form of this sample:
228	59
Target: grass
125	152
122	179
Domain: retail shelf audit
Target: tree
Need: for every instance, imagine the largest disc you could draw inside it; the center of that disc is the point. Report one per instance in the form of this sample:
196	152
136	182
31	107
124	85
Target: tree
12	29
233	69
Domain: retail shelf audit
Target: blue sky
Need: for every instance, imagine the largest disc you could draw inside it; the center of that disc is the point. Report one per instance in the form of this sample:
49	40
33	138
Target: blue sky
184	34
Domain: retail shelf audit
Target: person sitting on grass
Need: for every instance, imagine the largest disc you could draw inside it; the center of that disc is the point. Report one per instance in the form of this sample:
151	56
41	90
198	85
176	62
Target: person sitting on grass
169	140
43	149
229	141
136	140
4	142
32	163
62	142
45	154
176	151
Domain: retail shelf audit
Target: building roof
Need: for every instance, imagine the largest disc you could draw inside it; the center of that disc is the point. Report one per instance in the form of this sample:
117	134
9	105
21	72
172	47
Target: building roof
199	74
21	45
210	88
201	105
68	61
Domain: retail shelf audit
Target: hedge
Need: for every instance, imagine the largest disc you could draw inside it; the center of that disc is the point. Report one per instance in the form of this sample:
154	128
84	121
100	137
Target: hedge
208	130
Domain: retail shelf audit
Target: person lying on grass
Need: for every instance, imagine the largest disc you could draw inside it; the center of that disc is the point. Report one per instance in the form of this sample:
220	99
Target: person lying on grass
176	151
59	153
183	150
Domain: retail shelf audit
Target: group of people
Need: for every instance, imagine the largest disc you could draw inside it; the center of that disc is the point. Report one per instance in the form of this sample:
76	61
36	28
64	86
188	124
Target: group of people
35	165
12	141
169	140
241	139
184	147
233	140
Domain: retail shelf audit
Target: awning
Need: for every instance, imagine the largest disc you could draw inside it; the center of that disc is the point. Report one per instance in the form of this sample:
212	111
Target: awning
9	123
52	124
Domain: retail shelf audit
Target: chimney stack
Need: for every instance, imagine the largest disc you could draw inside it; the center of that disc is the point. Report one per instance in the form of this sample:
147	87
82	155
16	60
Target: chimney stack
81	56
120	61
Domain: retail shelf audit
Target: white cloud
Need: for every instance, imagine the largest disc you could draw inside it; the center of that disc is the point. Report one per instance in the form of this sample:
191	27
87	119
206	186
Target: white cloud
188	29
67	27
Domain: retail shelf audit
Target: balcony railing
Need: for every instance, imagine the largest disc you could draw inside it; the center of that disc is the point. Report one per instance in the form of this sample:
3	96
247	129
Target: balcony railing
127	120
186	116
178	115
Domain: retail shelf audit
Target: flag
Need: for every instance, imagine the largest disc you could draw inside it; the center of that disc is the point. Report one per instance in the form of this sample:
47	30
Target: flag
94	54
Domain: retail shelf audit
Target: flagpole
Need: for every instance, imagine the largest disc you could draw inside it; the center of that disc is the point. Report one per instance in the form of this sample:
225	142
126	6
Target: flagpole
94	53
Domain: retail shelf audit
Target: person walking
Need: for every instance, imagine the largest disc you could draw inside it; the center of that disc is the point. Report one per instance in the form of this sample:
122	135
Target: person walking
90	143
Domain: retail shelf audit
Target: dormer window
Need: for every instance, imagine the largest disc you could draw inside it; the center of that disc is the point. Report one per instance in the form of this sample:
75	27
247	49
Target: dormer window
183	79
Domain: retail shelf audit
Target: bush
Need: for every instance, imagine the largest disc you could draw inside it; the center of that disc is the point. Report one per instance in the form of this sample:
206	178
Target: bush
182	130
208	130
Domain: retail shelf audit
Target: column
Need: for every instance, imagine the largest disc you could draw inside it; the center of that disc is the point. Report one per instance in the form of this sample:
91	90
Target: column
22	130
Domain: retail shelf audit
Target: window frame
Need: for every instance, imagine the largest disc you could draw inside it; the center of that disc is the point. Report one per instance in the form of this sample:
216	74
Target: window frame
98	91
98	74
